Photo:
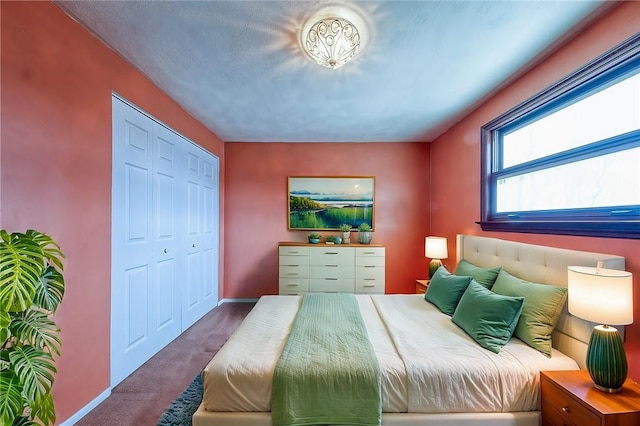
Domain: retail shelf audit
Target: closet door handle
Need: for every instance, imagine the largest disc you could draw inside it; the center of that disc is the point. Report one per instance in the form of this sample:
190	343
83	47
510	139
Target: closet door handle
166	250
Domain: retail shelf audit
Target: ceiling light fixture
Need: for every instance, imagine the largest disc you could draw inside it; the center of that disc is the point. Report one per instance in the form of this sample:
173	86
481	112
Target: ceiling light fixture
333	36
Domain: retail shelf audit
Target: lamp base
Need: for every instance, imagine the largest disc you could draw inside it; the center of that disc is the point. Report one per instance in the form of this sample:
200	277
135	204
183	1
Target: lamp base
606	360
607	390
433	266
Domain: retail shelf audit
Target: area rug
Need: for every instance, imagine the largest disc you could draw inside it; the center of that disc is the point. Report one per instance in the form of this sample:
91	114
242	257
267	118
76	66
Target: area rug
180	411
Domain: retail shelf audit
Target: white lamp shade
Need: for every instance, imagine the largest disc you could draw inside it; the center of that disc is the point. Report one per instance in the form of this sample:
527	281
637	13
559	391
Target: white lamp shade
435	247
603	296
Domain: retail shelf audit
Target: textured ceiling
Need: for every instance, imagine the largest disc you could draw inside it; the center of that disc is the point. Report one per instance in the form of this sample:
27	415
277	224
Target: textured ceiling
237	66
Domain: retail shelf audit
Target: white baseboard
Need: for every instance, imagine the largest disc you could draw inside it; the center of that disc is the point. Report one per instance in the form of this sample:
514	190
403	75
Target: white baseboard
85	410
237	301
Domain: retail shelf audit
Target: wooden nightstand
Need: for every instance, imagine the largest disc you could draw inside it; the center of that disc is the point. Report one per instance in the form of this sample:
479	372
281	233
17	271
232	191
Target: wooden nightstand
569	398
421	286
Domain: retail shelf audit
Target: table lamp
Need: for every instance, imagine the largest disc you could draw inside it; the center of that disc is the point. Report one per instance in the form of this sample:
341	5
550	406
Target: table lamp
435	248
603	296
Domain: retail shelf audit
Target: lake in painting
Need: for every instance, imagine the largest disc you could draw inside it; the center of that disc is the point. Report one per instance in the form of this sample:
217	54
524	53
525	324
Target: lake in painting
326	203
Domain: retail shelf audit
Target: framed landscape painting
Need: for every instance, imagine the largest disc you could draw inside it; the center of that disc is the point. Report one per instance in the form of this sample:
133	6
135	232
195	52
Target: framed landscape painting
326	202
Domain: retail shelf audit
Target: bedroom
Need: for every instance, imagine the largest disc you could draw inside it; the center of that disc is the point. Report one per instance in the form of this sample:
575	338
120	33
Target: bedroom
44	85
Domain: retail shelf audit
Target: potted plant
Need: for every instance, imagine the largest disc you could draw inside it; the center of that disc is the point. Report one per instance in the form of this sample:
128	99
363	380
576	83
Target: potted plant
331	239
314	238
346	233
364	233
31	289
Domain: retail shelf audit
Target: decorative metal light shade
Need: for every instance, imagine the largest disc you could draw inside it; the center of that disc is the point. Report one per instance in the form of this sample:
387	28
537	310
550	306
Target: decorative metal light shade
332	42
332	36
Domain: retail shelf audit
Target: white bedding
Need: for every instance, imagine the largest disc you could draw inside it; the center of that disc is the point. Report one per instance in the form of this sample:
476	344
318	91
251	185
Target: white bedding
428	364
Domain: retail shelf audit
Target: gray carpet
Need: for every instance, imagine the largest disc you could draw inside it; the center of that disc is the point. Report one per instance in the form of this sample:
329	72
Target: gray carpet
180	411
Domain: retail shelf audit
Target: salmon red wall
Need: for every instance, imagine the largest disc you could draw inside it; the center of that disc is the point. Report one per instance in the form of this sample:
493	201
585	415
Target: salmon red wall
256	206
57	81
462	142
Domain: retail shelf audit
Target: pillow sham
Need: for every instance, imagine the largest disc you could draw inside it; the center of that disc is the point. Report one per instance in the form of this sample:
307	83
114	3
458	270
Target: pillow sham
487	317
484	276
445	290
543	305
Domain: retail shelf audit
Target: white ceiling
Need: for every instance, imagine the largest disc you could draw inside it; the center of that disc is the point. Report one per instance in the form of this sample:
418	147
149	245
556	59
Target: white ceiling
237	66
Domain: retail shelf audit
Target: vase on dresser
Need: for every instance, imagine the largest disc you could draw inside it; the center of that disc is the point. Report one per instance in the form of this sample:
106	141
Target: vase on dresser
365	237
346	238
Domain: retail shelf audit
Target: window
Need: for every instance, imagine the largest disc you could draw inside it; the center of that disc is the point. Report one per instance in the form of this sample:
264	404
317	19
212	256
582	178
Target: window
567	161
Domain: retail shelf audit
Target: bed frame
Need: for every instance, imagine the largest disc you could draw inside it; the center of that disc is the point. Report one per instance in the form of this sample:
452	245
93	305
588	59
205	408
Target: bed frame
541	264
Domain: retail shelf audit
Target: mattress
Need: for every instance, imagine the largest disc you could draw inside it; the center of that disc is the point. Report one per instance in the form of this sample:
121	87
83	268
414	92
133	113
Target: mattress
427	363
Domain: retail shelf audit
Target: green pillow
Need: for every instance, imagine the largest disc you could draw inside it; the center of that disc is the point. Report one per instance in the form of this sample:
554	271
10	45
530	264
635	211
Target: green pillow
542	307
484	276
487	317
446	289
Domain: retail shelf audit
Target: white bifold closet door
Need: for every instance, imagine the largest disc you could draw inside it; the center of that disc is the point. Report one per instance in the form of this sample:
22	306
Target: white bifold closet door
165	228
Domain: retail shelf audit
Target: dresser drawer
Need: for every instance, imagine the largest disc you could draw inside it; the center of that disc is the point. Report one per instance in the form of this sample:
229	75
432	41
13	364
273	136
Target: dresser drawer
370	252
292	293
295	285
293	251
293	260
331	272
331	285
370	285
343	256
368	262
562	409
294	271
367	273
553	417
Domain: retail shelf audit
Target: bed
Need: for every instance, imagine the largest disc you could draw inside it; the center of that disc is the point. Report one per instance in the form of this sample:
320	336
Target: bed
415	343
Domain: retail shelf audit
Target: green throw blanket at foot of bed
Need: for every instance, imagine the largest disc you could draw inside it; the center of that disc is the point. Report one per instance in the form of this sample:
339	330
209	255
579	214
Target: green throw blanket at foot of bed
328	372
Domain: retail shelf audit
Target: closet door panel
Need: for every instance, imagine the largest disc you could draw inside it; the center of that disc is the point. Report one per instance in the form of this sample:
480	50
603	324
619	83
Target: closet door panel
166	233
202	234
132	275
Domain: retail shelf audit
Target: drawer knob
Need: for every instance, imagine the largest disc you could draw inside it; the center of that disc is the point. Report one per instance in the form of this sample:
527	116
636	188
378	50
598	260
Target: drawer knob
565	409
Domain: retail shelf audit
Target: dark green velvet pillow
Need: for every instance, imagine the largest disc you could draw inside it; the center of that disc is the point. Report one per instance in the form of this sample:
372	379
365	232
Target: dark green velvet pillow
446	289
487	317
543	305
484	276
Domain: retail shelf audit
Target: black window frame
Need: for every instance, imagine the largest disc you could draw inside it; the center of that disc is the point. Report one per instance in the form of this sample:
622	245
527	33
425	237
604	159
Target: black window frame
614	221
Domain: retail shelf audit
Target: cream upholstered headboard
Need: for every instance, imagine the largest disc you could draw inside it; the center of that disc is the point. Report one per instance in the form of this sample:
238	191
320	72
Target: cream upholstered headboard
545	265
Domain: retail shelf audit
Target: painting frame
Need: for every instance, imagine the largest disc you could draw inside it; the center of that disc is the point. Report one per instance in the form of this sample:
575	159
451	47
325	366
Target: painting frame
323	203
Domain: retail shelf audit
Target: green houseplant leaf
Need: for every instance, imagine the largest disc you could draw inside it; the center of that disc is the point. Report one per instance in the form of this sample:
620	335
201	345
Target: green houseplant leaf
11	401
35	370
50	289
24	421
50	248
31	289
5	320
44	410
21	264
38	330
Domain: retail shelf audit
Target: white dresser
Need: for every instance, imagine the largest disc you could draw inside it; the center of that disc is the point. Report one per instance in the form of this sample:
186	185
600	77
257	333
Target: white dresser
350	268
